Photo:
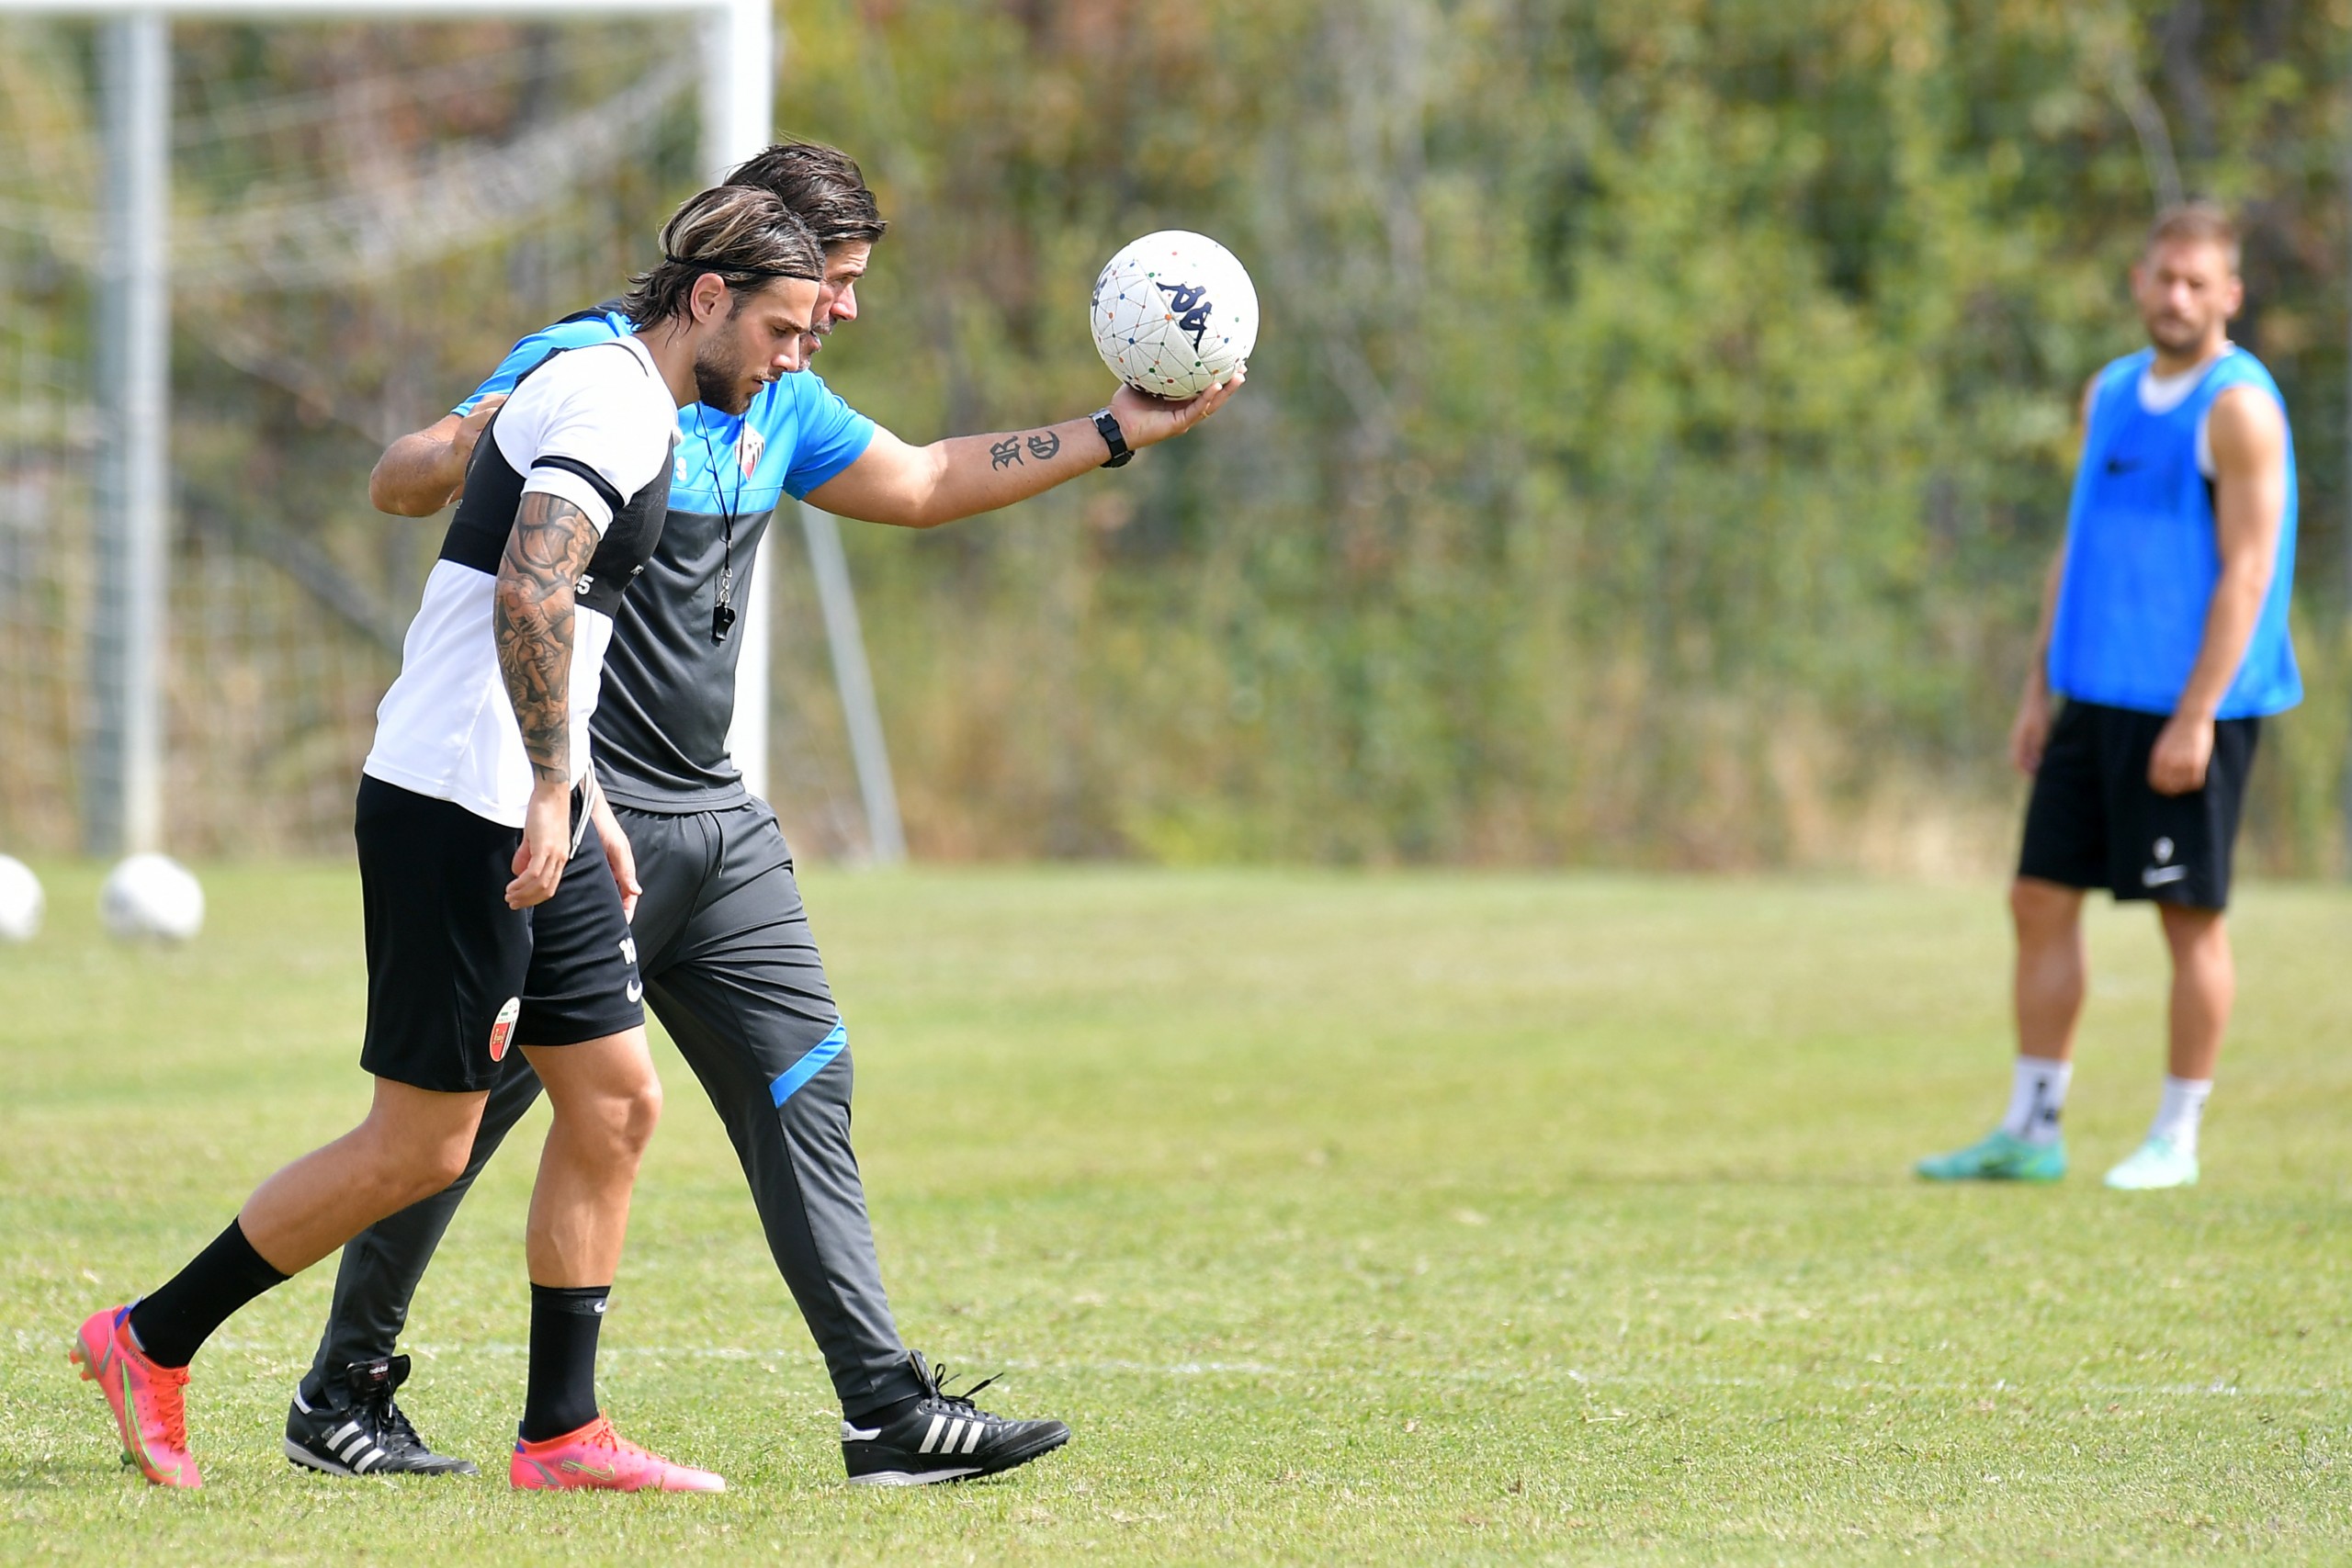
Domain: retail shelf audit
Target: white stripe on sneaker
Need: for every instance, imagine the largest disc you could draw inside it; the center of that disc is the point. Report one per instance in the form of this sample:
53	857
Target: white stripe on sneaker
374	1456
932	1435
954	1436
335	1437
351	1448
973	1443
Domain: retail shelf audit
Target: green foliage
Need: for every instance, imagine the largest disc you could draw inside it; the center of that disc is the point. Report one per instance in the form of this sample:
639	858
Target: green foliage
1661	420
1660	424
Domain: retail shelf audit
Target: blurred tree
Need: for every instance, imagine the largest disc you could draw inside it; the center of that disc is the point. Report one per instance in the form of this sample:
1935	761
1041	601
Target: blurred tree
1661	418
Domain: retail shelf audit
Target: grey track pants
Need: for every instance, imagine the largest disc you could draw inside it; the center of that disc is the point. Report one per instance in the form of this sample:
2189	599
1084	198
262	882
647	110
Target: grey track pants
731	970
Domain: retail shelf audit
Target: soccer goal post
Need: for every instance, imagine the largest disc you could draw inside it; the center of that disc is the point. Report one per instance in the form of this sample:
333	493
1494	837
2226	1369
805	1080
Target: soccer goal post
123	774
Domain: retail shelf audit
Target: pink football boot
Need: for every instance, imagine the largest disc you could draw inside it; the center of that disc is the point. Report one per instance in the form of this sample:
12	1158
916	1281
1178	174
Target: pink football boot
149	1411
596	1457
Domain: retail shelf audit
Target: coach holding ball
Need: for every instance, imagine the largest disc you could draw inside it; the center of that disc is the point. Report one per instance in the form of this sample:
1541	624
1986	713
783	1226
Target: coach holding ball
723	943
2164	626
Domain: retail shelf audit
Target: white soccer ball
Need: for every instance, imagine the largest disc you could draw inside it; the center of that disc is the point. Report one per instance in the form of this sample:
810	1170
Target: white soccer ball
1174	315
20	901
151	896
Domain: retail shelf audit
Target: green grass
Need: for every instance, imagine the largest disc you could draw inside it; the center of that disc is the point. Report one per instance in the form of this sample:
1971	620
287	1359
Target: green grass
1345	1218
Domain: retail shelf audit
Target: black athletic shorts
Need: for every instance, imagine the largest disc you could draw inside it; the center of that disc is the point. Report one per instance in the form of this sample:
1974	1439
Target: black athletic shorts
455	980
2095	821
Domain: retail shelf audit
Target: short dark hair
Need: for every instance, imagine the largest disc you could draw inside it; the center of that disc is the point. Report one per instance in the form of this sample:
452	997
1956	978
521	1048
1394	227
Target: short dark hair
821	184
2196	221
744	234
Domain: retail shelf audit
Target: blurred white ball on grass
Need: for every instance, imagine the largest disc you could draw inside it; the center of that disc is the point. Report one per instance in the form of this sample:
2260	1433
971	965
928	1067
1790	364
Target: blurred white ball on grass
1174	315
152	896
21	901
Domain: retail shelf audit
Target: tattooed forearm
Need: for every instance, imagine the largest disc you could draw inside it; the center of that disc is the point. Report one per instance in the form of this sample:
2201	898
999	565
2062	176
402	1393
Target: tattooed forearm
1006	453
532	620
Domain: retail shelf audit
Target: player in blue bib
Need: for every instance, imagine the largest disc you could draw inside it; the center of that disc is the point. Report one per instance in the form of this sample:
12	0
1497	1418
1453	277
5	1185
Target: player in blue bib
2164	630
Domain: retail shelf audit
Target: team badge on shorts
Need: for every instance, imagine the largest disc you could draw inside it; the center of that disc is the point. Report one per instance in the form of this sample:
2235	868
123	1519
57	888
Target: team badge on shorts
504	1030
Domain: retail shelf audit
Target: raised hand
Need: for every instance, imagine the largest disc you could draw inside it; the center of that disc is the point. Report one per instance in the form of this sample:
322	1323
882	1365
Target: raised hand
1147	421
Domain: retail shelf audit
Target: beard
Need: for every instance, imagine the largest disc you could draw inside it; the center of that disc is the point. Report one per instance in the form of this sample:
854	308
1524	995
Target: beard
720	380
2177	334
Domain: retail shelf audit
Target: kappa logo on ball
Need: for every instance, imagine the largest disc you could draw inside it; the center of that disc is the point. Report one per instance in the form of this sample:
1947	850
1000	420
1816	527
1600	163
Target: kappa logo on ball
1174	315
504	1030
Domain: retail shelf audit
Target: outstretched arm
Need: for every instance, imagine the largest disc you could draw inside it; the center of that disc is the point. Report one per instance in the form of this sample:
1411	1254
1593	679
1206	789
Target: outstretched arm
921	486
425	469
532	620
2249	436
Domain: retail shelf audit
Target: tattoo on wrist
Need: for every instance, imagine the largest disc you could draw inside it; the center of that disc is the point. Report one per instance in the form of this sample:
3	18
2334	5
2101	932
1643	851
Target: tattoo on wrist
532	621
1043	445
1006	453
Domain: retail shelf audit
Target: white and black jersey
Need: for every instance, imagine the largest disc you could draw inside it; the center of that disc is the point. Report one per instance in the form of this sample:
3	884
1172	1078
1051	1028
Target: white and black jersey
595	426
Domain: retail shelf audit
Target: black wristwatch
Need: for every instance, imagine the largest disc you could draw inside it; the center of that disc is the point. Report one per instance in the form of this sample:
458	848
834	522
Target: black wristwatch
1107	424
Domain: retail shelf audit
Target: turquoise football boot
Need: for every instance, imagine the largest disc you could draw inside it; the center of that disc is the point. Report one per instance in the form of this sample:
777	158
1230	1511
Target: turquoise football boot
1999	1157
2158	1163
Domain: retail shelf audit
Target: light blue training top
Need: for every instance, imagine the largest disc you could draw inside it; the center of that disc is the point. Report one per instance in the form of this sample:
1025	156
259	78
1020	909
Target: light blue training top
804	433
660	735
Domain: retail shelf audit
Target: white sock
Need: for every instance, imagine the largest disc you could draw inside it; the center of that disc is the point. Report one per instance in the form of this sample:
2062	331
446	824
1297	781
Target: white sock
2183	1109
2036	1097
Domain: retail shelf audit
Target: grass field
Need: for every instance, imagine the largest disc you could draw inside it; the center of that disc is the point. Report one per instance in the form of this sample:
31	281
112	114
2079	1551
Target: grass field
1346	1218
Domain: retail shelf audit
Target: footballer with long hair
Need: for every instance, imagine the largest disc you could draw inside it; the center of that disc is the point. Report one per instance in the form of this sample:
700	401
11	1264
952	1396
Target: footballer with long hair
723	942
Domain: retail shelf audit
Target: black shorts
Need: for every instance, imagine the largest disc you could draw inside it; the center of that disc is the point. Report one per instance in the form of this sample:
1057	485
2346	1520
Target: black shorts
2095	821
454	978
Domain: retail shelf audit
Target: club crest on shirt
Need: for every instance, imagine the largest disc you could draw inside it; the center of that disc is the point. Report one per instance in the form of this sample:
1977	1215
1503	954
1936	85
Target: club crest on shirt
748	447
504	1028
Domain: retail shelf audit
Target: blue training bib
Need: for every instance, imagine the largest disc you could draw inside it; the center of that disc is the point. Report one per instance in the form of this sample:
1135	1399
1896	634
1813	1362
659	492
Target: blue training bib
2143	557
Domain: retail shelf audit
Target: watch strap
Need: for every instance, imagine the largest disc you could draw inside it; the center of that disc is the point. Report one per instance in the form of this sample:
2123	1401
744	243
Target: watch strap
1107	424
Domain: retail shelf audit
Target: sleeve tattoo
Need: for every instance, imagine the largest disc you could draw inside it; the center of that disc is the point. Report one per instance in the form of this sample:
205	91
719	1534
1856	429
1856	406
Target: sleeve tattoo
545	556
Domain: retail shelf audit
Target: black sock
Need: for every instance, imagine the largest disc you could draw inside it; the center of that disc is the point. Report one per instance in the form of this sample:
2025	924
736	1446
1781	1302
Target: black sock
172	1322
563	1395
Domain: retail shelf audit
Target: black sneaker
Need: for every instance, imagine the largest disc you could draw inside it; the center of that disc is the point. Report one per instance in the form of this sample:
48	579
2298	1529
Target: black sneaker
944	1438
365	1433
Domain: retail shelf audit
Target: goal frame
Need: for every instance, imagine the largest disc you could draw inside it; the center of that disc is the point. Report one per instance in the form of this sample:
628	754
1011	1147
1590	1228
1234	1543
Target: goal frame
123	788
